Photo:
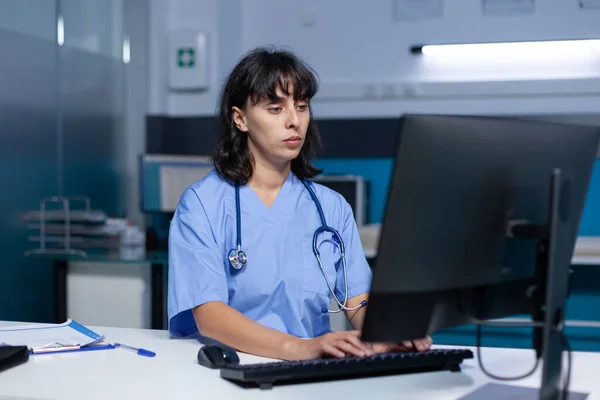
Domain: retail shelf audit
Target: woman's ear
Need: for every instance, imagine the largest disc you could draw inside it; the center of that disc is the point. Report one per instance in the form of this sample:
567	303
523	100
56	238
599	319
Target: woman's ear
239	119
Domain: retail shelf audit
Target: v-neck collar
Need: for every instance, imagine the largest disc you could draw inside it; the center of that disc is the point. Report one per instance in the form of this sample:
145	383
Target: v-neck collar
258	206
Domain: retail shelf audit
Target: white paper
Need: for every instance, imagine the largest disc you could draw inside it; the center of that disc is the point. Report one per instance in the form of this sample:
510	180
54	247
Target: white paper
412	10
492	7
175	179
43	335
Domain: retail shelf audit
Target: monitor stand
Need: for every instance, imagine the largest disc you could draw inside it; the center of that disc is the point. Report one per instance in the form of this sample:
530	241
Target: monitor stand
552	281
499	391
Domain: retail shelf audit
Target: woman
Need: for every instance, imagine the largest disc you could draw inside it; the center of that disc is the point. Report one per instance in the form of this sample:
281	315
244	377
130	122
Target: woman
272	299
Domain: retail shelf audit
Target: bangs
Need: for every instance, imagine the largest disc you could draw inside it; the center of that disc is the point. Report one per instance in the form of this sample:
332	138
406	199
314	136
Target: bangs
283	72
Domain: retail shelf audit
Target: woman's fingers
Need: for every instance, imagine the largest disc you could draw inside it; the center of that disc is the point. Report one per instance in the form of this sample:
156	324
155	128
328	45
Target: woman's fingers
356	342
423	344
381	347
371	349
340	344
405	345
350	348
332	350
348	343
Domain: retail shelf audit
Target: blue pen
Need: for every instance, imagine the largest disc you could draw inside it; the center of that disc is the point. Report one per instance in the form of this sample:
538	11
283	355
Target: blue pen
141	352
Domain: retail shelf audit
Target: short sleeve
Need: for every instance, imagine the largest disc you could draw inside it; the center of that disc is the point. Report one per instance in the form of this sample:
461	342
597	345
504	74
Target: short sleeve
196	273
358	271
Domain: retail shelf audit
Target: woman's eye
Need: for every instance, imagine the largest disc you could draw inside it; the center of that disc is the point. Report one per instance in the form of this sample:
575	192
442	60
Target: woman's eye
275	109
302	107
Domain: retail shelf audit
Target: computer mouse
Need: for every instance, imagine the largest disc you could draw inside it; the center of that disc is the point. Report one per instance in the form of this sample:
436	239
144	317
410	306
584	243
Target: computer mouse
214	356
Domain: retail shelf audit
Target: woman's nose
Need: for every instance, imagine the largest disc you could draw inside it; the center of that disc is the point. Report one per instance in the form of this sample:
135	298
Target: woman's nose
292	119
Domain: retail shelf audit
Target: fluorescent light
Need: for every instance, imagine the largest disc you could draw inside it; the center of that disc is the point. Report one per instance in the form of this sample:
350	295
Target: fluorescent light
126	50
60	31
560	48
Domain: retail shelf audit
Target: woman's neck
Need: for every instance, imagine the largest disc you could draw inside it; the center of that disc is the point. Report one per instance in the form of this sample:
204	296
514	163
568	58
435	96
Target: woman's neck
267	177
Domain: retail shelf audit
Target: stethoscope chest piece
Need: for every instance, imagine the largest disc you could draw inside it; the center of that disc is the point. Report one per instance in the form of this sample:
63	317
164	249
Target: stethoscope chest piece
237	258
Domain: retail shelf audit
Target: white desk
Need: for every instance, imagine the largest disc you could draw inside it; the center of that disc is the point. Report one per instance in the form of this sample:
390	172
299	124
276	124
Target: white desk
175	374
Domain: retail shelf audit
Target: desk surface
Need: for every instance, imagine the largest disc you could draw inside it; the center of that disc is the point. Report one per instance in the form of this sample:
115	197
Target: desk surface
175	374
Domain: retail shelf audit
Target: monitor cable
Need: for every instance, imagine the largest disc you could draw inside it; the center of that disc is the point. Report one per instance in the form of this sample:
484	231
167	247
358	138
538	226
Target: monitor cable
480	324
527	324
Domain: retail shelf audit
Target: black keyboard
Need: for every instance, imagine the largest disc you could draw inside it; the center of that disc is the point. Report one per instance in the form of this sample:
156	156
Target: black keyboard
11	356
265	375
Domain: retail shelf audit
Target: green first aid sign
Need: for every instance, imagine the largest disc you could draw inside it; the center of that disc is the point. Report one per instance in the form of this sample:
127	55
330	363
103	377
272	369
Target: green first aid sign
186	57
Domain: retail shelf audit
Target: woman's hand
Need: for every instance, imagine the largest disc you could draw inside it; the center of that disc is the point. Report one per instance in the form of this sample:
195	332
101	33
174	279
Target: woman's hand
335	344
406	345
347	343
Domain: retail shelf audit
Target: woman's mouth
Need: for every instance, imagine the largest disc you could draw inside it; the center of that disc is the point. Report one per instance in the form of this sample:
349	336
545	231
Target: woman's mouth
293	141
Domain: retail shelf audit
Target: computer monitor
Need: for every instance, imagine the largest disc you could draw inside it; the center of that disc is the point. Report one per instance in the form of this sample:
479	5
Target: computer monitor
481	221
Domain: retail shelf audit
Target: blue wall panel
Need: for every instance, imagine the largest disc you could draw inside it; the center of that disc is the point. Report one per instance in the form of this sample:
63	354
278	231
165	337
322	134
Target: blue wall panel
379	171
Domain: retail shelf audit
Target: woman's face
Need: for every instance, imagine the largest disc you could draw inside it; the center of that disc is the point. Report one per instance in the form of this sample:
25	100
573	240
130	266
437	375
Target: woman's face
276	130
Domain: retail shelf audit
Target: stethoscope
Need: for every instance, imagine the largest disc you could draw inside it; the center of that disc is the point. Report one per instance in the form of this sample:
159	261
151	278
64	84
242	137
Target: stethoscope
237	257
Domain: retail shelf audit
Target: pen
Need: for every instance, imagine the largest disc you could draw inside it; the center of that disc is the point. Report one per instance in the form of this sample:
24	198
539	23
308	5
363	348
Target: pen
141	352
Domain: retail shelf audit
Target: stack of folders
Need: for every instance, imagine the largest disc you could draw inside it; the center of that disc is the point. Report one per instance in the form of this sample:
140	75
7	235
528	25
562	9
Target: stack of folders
53	338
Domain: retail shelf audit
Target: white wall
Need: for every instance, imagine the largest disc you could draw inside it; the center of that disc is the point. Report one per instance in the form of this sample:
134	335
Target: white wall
166	16
157	44
95	26
360	42
353	43
29	18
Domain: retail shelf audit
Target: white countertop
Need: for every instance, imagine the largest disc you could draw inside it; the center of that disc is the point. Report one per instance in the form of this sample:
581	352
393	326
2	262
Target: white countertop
175	374
587	248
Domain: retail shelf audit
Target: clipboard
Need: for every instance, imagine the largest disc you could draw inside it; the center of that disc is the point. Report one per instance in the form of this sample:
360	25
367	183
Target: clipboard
69	336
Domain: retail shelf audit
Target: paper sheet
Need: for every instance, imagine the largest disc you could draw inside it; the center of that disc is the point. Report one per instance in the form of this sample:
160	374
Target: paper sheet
36	336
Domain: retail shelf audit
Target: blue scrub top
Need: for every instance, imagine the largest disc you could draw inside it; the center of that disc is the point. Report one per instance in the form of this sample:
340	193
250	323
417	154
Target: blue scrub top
281	286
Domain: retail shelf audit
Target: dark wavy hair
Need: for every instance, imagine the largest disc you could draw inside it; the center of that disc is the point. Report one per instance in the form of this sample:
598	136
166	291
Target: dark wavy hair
257	76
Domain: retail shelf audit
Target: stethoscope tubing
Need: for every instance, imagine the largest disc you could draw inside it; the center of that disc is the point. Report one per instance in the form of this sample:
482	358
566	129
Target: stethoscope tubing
237	258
